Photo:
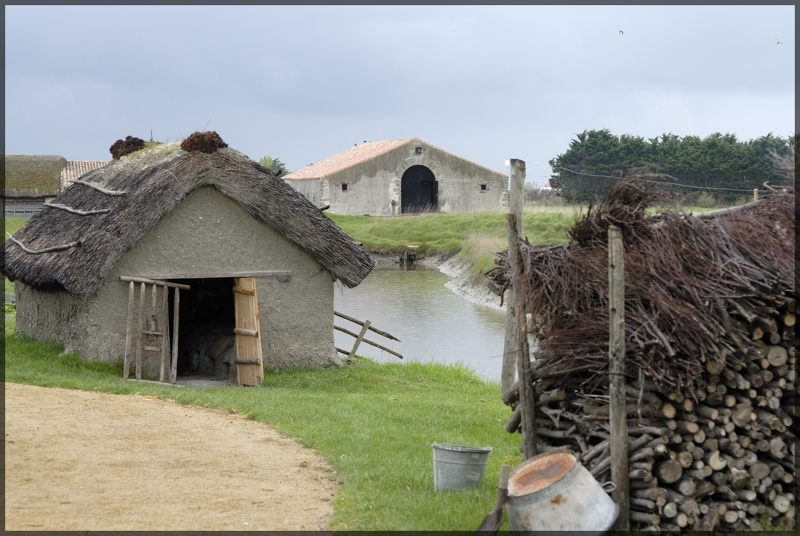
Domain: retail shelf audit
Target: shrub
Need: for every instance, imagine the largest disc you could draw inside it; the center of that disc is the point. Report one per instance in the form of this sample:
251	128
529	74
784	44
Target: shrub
205	142
706	200
127	146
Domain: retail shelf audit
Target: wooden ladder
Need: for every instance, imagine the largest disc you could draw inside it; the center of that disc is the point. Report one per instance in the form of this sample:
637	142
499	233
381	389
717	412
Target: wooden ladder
169	370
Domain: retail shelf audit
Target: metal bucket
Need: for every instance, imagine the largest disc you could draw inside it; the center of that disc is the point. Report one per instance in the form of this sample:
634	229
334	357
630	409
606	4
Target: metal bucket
554	492
458	467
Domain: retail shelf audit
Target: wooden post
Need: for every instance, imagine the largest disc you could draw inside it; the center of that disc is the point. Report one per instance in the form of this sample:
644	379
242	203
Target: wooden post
165	334
527	397
126	369
515	203
142	290
153	314
173	376
516	352
359	339
616	351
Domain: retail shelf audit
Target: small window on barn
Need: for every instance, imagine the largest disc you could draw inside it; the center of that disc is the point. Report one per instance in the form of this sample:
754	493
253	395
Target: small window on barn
483	187
344	187
417	150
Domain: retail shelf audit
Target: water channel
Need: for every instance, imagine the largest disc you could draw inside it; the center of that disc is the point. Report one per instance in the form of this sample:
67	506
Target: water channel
431	321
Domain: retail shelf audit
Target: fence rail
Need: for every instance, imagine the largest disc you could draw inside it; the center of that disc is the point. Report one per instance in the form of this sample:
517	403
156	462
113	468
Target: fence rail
365	326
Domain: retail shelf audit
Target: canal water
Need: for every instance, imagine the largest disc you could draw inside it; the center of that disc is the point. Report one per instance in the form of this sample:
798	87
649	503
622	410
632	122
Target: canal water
431	321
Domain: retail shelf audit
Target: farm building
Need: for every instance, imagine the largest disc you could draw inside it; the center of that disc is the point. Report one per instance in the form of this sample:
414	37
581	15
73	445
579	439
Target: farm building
383	178
209	222
31	181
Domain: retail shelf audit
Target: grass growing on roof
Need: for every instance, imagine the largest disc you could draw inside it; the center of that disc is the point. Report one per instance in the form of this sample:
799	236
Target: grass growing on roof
374	423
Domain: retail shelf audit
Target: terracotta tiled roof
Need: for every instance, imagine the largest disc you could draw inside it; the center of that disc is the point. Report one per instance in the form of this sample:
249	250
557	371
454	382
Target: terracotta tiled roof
76	168
354	155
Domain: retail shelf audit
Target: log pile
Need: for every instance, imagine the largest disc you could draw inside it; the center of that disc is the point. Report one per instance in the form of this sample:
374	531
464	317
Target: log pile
710	349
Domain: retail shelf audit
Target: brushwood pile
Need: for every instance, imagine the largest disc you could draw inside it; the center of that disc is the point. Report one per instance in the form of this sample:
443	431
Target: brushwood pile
711	364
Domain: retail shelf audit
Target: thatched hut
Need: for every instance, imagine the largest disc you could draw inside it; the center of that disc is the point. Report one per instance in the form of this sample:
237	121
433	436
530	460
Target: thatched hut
188	218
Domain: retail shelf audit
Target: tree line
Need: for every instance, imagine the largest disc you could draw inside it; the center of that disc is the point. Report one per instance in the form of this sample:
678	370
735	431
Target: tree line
719	163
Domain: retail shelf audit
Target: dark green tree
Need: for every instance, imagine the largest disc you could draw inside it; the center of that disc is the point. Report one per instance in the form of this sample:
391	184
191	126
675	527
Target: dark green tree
719	161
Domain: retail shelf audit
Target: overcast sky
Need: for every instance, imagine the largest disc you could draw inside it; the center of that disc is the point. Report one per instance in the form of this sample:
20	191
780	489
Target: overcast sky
304	83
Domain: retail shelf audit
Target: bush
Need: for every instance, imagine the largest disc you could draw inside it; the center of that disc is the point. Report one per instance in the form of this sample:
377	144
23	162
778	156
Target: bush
205	142
127	146
706	200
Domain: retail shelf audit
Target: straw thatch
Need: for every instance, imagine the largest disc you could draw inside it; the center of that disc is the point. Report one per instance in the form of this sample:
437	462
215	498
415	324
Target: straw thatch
154	182
33	175
687	279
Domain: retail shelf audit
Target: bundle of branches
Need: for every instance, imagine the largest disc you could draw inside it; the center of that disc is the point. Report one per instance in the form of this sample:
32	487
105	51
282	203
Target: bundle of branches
695	288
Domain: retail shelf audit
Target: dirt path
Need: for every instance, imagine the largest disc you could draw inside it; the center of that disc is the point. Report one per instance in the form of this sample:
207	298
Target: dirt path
77	460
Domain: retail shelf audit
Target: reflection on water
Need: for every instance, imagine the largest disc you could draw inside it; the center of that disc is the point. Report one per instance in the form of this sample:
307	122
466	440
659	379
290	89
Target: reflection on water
432	323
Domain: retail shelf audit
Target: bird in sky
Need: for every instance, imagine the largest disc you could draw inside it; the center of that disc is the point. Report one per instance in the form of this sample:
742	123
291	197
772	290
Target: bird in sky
620	33
778	43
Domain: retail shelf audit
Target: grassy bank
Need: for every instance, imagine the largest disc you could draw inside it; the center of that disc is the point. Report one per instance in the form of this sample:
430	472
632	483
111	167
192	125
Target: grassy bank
374	423
474	235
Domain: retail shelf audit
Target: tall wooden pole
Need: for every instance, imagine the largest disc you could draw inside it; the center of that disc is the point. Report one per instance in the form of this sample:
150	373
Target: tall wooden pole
616	350
516	353
515	202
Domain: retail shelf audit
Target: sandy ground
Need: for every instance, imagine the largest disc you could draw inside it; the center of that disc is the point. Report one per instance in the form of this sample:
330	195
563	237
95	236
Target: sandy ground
77	460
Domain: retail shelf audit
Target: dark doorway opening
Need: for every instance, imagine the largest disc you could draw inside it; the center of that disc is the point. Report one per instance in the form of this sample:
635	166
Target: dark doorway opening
206	342
419	191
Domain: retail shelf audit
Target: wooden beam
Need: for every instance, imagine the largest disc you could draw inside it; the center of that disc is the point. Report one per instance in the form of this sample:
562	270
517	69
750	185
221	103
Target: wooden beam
243	331
515	205
359	339
173	375
76	211
371	328
519	345
153	282
142	289
98	188
162	376
371	343
126	368
281	275
616	349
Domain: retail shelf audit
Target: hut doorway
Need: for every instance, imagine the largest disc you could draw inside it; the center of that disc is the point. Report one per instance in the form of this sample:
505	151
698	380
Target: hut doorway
207	317
419	190
220	333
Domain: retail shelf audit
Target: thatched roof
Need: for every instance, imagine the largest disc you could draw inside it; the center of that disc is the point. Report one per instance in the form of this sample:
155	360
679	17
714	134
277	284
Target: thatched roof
695	286
33	175
155	182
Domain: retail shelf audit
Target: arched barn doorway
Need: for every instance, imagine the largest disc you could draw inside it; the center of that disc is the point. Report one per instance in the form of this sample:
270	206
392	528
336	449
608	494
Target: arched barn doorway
419	190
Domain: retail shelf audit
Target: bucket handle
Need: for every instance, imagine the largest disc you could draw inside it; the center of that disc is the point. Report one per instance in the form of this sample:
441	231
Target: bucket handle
608	487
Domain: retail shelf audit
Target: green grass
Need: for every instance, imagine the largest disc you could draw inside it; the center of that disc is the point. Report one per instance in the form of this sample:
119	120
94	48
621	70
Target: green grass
475	235
374	423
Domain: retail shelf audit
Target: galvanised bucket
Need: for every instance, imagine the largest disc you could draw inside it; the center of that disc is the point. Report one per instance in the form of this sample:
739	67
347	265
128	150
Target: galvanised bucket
458	467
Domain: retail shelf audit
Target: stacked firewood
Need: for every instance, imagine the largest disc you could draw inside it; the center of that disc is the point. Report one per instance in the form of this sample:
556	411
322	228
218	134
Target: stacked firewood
721	459
711	364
